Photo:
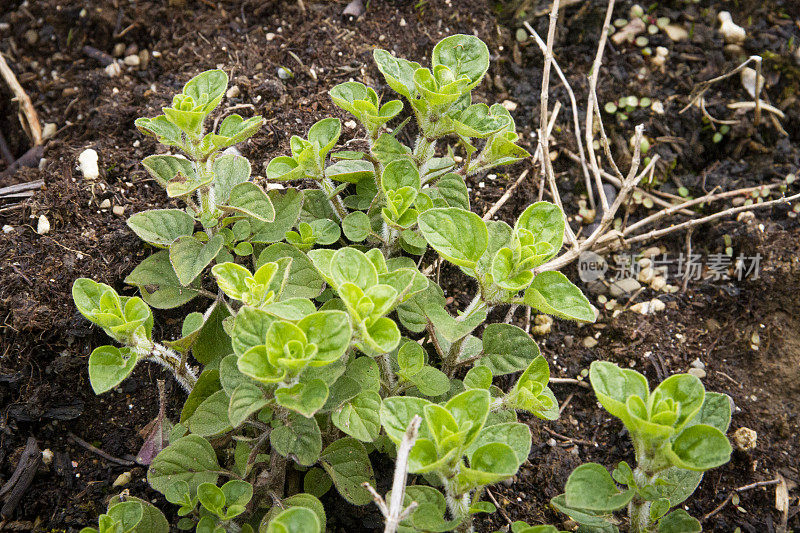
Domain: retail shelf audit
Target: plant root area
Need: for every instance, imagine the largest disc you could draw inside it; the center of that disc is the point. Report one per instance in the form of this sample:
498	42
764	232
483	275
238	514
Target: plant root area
745	333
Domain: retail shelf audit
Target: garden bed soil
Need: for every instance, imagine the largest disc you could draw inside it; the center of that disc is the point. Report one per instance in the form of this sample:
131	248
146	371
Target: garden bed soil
44	343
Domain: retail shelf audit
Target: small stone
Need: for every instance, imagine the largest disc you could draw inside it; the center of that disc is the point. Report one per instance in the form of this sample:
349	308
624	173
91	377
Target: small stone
509	105
350	124
542	325
403	23
43	226
551	442
697	363
88	164
697	372
589	342
47	456
132	60
8	229
657	107
144	59
119	50
658	283
131	49
676	33
122	479
746	216
233	92
32	37
5	26
105	204
745	439
624	286
113	70
657	305
49	130
652	252
270	36
118	210
647	274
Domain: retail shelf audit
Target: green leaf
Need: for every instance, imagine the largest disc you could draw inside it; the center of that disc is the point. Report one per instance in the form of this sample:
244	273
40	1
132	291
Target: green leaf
246	399
189	256
396	414
190	459
478	377
399	73
229	171
158	284
127	515
211	497
330	331
317	482
162	129
287	204
490	463
700	447
303	280
592	519
715	412
470	409
464	55
207	89
507	349
213	343
347	462
356	226
591	487
459	236
364	370
251	200
325	133
360	416
163	168
349	265
152	521
431	381
234	129
400	173
350	170
161	226
305	398
679	521
109	366
477	121
513	434
684	389
546	223
553	294
613	386
298	501
679	484
211	416
300	437
454	191
295	520
284	168
207	384
250	329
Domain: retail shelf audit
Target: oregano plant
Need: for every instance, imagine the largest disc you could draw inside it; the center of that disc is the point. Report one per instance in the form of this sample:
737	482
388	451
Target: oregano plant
317	333
678	432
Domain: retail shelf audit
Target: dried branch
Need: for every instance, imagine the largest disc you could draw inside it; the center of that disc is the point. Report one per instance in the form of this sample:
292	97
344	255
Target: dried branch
27	114
394	513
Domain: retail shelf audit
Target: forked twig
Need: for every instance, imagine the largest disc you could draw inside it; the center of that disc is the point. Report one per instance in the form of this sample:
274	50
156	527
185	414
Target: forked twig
394	513
751	486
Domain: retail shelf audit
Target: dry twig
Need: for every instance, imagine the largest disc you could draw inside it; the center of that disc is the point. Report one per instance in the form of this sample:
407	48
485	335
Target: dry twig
27	114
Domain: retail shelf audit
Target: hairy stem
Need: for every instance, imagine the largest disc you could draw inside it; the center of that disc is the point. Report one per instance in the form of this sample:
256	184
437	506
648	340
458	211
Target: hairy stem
336	202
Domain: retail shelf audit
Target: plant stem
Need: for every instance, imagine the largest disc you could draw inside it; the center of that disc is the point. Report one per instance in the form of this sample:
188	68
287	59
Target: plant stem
458	504
387	374
336	202
171	361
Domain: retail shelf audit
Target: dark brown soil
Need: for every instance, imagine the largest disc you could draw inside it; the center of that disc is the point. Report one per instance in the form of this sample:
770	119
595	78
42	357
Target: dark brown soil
44	345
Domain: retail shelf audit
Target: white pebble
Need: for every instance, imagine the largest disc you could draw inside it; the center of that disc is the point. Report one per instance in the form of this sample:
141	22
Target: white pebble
47	456
509	105
8	229
48	130
118	210
233	92
132	60
105	204
43	226
88	163
113	70
351	124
